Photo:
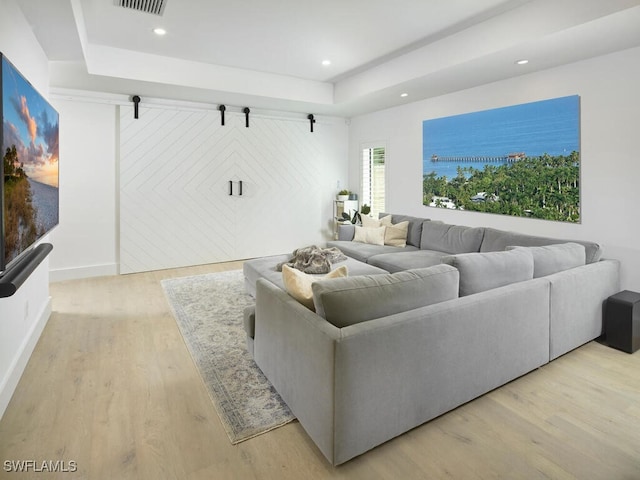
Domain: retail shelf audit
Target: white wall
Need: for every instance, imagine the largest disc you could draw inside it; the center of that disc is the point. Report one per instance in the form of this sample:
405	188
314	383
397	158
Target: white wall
23	315
85	242
610	164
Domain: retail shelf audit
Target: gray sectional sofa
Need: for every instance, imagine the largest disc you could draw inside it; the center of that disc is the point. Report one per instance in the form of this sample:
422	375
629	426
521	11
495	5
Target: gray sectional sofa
416	331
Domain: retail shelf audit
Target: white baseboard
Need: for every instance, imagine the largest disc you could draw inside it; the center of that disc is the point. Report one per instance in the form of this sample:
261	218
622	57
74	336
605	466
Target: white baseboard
22	358
58	275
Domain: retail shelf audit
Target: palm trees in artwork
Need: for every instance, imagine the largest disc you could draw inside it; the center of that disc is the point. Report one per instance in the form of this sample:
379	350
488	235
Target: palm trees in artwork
545	187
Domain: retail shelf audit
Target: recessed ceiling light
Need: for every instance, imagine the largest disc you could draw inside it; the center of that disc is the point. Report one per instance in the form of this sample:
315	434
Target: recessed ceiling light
326	63
159	31
522	62
404	95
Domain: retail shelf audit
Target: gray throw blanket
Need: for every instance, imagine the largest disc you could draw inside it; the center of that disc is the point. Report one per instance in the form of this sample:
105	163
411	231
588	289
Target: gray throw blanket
314	259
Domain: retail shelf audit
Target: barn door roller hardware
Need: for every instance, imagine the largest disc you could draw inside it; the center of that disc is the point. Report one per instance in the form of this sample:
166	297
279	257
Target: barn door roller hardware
136	100
222	108
312	120
246	116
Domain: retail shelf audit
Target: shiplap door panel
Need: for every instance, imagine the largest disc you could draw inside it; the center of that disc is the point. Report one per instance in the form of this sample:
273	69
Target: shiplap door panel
281	180
175	168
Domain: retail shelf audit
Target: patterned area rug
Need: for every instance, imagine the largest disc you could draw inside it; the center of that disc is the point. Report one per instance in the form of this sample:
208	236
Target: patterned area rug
208	309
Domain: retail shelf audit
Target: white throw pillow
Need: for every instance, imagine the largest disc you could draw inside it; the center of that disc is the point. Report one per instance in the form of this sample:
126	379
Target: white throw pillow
298	284
370	222
372	235
396	235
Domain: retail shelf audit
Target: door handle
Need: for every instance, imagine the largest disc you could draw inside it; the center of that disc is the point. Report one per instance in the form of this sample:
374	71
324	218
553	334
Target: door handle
239	187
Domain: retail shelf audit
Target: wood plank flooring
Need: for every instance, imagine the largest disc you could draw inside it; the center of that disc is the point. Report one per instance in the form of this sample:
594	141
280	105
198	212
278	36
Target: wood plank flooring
112	387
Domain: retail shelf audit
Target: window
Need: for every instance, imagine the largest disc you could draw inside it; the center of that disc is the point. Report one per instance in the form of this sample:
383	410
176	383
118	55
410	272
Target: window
373	178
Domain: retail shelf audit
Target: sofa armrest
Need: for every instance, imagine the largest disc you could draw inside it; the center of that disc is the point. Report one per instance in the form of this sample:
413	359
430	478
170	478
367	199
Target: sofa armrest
577	300
346	231
294	348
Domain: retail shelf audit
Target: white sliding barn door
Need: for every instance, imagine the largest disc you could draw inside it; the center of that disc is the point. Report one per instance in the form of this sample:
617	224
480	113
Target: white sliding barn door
175	202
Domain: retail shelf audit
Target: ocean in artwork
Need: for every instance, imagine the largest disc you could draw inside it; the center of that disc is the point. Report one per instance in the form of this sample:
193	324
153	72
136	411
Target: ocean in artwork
547	126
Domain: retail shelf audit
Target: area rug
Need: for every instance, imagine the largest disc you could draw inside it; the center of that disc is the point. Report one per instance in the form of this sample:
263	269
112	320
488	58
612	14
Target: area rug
208	309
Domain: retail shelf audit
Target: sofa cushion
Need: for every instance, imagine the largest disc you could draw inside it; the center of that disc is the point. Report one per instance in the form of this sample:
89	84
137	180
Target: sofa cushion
415	227
551	259
298	284
346	301
399	261
363	251
396	235
484	271
495	240
371	235
346	231
447	238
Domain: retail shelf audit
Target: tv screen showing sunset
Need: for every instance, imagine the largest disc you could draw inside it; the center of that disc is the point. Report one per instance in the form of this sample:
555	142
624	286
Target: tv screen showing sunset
29	162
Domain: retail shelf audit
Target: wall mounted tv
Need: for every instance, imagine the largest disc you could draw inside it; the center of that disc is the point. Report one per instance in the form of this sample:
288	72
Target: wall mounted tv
29	191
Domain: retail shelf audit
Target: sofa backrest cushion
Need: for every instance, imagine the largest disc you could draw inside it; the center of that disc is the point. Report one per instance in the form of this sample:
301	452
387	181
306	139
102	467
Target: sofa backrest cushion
496	240
415	227
346	301
484	271
443	237
556	258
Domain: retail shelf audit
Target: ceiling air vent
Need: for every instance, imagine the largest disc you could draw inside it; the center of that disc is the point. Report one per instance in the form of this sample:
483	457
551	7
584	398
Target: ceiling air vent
155	7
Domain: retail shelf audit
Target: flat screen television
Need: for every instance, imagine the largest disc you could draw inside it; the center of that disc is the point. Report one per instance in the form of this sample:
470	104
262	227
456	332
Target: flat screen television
29	139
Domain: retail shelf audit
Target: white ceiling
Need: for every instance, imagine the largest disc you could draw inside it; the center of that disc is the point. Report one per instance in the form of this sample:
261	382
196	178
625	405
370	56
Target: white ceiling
268	53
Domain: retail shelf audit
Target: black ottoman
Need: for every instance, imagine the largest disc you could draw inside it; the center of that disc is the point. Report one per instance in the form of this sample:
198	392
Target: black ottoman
622	321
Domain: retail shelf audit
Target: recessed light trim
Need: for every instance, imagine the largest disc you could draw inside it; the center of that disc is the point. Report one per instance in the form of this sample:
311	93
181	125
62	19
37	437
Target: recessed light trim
404	95
159	31
523	61
326	62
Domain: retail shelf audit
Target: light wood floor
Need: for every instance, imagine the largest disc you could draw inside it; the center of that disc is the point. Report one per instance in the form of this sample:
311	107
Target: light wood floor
112	387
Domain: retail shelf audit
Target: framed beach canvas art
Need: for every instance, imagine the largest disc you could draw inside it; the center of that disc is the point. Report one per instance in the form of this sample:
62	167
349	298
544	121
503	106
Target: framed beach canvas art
521	160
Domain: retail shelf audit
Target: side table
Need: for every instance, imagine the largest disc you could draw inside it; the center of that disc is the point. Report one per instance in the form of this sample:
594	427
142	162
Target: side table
622	321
